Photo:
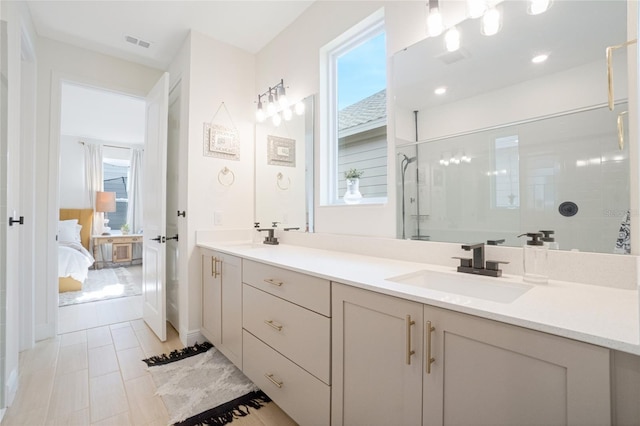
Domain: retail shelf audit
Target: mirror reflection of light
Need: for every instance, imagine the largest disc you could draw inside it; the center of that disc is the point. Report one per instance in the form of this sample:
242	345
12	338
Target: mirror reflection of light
440	90
538	59
299	108
491	22
536	7
589	162
476	8
452	39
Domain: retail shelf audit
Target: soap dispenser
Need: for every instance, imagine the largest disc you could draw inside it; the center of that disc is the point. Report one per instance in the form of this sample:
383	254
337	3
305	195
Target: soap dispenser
535	262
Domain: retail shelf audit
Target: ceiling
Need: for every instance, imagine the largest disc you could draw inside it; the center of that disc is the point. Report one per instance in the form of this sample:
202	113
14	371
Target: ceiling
102	26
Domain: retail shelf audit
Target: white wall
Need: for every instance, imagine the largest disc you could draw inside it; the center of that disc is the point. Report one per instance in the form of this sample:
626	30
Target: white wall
217	73
294	56
58	61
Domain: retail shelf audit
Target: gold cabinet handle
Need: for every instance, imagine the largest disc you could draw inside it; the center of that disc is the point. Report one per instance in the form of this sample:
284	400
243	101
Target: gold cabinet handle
609	53
272	380
430	360
621	129
273	325
409	323
274	282
214	266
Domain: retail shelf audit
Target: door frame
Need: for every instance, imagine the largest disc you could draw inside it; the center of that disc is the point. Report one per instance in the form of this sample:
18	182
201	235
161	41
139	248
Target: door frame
50	327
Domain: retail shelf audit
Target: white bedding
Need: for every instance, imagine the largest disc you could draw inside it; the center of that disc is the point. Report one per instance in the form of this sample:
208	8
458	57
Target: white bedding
73	260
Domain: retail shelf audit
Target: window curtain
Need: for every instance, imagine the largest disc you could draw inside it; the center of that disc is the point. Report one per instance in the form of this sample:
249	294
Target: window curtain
95	182
134	209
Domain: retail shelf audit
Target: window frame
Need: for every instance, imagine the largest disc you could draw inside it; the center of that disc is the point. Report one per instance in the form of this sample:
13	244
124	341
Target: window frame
370	27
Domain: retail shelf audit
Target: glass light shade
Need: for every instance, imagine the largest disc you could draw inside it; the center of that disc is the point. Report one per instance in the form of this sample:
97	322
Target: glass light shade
260	115
536	7
276	119
271	108
452	39
476	8
299	108
491	22
282	97
434	22
287	114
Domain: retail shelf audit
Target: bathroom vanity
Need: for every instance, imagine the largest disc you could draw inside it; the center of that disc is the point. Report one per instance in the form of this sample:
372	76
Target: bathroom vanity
340	338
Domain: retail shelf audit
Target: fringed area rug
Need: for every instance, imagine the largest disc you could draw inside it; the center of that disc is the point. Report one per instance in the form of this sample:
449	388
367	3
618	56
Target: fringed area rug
199	386
104	284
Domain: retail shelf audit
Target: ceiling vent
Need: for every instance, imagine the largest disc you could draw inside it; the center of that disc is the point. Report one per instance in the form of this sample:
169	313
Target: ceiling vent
452	57
137	41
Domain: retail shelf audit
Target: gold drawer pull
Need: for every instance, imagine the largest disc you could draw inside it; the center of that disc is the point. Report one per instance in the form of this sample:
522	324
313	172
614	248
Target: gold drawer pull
430	360
410	352
274	282
272	380
273	325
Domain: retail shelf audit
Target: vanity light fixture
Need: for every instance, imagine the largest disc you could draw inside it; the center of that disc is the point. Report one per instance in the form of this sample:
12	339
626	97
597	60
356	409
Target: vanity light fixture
536	7
435	25
476	8
491	22
538	59
440	90
452	39
277	105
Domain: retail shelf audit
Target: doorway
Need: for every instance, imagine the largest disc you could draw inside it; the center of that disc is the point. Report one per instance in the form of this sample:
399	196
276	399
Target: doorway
102	136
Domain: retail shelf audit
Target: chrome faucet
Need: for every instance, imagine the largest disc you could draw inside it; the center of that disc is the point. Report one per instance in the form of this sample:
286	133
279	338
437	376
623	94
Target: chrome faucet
476	265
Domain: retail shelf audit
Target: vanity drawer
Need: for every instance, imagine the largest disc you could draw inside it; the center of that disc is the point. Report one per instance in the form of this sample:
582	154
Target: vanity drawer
298	333
302	396
304	290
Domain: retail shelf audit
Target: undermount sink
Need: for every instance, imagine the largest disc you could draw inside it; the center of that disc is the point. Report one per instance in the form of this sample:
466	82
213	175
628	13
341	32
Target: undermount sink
494	289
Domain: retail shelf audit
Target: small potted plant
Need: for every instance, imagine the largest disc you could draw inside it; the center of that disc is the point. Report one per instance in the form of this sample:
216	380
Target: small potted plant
125	229
353	194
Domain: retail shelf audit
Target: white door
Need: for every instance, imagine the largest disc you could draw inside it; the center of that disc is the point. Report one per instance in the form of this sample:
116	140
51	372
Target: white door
154	292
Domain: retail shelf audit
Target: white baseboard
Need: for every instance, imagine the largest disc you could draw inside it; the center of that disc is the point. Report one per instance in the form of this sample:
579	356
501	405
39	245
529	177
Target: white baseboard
45	331
193	337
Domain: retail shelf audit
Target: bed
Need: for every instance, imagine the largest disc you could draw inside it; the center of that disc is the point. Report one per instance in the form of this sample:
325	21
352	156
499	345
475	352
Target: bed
74	257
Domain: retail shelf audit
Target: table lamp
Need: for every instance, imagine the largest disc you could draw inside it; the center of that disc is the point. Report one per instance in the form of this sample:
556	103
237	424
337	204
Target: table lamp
105	202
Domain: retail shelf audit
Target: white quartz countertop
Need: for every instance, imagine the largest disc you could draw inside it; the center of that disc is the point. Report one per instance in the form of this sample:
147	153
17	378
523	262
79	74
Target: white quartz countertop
599	315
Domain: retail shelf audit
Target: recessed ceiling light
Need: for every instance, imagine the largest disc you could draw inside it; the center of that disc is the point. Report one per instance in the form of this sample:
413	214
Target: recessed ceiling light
539	59
440	90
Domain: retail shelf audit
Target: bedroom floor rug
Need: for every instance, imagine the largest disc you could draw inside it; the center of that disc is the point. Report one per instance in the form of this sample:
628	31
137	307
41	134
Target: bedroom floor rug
105	283
198	385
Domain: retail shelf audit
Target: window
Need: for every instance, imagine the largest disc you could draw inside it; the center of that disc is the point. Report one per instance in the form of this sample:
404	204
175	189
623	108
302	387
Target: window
116	175
354	121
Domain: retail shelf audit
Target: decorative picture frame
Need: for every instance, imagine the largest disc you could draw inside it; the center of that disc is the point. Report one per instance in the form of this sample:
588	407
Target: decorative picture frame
221	142
281	151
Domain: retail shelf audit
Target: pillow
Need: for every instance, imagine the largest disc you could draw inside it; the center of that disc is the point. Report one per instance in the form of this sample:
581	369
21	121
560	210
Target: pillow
69	231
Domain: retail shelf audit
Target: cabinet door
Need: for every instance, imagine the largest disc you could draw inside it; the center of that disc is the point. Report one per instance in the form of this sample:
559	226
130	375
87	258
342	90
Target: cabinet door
211	298
230	268
489	373
376	379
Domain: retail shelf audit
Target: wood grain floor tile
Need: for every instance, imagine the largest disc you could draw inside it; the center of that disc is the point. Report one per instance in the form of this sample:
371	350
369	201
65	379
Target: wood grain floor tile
131	365
103	360
72	358
107	396
77	418
124	338
122	419
144	405
73	338
70	394
99	336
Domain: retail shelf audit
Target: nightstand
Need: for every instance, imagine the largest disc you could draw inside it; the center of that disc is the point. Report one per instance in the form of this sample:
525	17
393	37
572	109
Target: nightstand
121	247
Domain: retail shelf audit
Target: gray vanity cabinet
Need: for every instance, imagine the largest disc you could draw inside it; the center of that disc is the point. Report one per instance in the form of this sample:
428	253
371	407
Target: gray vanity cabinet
222	303
481	371
491	373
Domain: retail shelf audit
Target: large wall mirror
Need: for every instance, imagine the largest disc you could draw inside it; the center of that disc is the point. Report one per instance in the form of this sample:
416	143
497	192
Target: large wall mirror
514	146
284	171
